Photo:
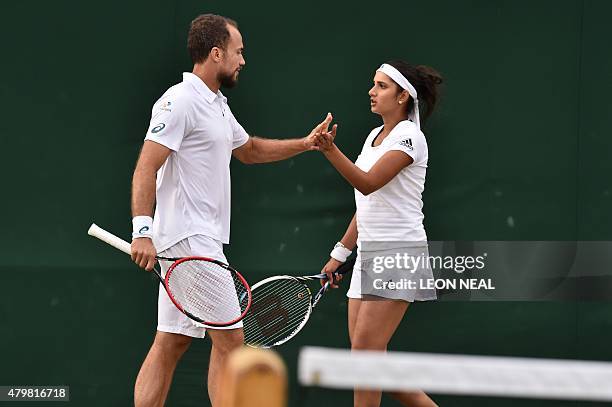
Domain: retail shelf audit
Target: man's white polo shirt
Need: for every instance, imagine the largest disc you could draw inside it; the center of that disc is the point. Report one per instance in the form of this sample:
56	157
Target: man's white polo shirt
193	185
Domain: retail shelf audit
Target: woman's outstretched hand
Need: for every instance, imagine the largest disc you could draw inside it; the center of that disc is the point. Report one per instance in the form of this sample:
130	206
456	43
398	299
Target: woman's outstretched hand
324	140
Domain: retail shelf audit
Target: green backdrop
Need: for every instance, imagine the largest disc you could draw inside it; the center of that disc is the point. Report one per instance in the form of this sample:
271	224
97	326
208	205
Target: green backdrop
519	150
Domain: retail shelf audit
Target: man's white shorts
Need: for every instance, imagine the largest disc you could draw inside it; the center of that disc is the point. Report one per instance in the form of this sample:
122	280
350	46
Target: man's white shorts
169	318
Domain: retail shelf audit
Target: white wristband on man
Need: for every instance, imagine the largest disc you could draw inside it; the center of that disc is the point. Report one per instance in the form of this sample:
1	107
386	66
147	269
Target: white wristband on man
142	226
340	252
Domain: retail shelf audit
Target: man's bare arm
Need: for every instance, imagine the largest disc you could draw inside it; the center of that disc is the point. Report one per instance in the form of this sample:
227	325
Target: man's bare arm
260	150
152	157
263	150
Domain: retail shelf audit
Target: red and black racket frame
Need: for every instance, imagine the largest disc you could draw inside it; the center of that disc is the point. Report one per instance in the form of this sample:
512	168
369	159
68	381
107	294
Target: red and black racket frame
178	260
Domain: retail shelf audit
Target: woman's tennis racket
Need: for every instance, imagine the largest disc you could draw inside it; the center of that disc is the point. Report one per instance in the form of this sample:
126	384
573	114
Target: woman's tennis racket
206	290
281	307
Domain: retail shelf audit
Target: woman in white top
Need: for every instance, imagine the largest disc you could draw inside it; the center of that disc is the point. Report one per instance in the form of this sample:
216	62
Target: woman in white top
388	177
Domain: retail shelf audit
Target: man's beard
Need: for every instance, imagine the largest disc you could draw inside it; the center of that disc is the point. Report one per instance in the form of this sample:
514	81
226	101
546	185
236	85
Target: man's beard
227	80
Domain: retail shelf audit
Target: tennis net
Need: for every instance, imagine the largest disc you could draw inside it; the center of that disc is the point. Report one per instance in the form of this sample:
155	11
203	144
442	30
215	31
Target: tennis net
456	374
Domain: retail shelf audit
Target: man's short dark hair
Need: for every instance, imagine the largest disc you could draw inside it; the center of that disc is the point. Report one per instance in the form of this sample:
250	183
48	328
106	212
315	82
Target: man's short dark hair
207	31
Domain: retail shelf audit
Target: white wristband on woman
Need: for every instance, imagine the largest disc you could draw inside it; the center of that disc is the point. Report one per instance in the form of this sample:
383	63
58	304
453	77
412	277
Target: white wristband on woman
340	252
142	226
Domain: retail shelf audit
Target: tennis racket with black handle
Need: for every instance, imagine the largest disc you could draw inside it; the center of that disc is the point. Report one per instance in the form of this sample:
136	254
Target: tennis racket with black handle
281	307
208	291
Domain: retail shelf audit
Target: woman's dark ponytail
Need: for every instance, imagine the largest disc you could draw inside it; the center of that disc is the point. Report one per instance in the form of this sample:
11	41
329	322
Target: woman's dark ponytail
425	80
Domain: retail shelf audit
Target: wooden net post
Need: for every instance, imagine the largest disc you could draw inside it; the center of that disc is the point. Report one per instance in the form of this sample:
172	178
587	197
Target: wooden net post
253	378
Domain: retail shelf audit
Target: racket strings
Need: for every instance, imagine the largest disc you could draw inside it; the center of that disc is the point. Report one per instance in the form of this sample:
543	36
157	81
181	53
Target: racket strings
279	337
271	339
275	328
292	326
286	294
208	291
268	301
295	325
279	309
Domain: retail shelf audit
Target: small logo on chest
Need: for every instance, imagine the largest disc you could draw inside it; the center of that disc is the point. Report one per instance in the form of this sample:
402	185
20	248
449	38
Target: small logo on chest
166	106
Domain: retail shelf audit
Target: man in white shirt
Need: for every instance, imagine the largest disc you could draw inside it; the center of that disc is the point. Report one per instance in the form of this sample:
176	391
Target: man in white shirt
183	170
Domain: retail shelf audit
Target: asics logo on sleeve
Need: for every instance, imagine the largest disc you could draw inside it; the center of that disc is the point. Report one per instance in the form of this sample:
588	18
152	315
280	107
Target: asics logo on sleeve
158	128
143	229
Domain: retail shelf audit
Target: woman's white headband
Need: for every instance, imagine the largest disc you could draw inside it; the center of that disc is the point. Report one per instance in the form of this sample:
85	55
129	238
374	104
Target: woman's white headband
401	80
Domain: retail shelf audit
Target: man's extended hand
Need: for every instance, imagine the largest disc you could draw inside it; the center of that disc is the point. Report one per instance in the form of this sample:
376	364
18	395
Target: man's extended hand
310	141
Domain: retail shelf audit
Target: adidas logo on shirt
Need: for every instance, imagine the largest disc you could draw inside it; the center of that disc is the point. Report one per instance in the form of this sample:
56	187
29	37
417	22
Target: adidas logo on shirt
407	143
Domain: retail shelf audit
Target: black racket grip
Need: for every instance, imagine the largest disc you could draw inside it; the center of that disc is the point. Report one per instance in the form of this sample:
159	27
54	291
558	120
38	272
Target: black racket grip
346	266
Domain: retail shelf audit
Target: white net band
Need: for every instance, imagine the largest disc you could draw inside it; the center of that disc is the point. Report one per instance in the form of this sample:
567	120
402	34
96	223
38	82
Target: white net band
456	374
